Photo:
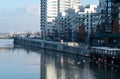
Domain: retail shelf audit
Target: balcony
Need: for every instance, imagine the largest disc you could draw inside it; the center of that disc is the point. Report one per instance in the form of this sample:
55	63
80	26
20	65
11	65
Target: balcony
107	35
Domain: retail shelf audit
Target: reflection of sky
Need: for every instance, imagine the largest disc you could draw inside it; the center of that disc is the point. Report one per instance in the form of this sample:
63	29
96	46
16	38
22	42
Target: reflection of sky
17	64
6	43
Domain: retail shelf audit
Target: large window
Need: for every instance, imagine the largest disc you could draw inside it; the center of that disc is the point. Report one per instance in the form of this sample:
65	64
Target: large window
109	4
109	10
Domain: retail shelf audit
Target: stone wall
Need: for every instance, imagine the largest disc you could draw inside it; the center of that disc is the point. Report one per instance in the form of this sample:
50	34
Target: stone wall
57	46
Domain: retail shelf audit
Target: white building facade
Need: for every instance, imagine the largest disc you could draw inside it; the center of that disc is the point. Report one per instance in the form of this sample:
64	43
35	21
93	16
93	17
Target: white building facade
89	14
50	9
68	25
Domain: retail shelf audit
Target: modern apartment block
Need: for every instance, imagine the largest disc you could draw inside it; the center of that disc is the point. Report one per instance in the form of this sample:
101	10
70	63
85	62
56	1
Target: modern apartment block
109	12
89	12
69	27
50	9
66	26
108	29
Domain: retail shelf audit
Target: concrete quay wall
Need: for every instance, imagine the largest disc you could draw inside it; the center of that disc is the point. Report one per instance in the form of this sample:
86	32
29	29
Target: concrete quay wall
57	46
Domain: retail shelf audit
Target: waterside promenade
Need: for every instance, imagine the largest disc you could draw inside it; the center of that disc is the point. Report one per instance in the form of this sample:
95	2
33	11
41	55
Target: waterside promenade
81	49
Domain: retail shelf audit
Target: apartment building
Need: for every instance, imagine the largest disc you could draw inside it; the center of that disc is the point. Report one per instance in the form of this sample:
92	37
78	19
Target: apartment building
50	9
67	26
89	14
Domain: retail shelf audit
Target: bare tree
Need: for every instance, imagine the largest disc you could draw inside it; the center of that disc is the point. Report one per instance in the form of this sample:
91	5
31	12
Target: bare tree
82	32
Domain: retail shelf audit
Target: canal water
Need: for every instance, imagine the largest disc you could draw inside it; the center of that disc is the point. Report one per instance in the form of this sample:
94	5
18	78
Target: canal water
21	62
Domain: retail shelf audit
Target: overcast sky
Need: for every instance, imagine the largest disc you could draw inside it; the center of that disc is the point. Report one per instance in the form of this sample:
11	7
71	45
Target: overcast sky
22	15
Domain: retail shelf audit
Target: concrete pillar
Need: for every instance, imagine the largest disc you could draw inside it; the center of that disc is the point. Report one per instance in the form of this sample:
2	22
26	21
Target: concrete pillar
112	68
98	59
42	44
112	62
105	61
59	47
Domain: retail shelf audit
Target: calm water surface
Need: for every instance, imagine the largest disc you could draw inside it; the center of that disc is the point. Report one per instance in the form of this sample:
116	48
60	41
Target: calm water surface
18	62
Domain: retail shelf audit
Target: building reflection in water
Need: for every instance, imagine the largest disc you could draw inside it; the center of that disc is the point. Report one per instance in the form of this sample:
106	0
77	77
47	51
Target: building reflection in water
64	66
57	65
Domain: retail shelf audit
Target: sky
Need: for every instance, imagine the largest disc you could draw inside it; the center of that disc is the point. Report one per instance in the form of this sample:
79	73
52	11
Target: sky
22	15
85	2
19	15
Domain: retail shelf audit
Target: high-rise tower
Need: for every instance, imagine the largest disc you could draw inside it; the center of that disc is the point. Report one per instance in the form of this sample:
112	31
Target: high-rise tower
49	10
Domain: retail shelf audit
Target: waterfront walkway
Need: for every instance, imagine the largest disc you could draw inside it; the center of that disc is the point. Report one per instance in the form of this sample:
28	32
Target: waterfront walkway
70	47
